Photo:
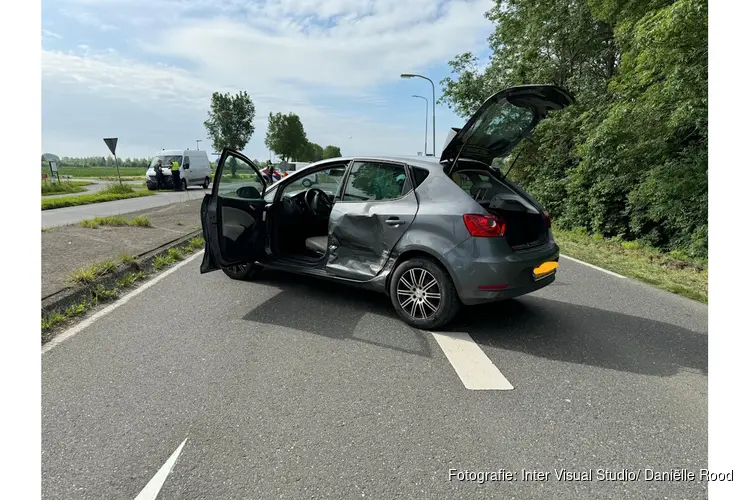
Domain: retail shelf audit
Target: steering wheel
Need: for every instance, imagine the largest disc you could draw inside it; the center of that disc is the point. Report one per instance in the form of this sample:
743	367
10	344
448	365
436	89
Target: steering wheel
314	198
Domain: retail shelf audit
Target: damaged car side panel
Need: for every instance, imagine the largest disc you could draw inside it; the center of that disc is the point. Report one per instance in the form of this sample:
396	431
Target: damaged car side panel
362	234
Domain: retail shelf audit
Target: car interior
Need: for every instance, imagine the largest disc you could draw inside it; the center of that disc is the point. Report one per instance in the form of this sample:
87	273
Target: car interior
300	218
525	225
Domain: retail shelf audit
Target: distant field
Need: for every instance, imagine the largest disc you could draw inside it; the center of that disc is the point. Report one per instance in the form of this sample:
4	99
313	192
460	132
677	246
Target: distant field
97	172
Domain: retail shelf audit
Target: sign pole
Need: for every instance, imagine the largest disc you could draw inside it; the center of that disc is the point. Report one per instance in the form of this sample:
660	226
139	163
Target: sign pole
111	143
117	166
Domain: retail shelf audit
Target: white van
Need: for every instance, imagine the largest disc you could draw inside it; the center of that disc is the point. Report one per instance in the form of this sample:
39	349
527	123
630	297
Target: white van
195	169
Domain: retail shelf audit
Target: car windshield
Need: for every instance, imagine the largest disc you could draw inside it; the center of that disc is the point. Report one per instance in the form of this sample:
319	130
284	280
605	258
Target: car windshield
327	180
166	160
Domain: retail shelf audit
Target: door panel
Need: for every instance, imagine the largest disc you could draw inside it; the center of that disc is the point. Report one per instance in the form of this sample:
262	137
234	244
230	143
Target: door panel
376	208
233	215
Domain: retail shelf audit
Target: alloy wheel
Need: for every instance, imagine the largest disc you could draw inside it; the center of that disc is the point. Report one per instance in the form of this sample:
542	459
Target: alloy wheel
419	293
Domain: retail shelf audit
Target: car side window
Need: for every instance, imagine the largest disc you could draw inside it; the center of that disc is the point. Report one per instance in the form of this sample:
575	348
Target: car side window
420	175
372	181
239	180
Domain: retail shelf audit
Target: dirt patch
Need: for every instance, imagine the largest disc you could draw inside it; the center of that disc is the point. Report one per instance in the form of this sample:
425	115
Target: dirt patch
68	248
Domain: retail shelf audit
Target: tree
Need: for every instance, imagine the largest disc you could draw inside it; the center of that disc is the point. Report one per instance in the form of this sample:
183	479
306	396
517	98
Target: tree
286	136
230	122
630	158
331	152
311	152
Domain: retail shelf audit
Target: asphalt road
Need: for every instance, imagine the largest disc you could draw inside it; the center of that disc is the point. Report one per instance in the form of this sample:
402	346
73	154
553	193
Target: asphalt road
72	215
292	388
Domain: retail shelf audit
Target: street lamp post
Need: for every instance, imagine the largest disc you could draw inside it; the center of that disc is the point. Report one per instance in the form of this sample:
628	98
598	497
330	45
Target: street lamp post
410	75
196	143
426	113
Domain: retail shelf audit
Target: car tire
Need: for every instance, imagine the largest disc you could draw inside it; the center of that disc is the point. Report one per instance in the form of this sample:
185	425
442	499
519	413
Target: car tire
243	272
440	296
206	183
183	185
151	188
307	183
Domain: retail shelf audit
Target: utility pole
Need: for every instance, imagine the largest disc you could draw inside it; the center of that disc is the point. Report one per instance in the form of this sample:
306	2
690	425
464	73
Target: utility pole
426	113
411	75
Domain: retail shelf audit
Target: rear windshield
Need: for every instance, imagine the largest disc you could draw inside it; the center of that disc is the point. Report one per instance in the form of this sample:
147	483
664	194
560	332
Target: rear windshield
501	127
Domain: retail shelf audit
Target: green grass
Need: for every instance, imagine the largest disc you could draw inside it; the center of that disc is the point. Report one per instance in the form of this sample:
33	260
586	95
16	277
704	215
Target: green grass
91	272
175	254
195	244
672	271
64	187
112	193
116	221
162	261
109	173
98	294
126	258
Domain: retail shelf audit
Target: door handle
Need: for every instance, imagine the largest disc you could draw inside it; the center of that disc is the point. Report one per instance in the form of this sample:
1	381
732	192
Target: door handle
394	221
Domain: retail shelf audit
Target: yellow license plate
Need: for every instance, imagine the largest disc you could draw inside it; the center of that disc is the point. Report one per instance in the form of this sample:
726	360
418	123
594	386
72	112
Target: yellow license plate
545	270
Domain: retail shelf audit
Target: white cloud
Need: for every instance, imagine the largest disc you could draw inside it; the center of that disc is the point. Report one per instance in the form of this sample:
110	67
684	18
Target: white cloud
326	60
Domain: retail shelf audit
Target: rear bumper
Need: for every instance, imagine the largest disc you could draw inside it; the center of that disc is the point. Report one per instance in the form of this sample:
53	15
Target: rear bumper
482	274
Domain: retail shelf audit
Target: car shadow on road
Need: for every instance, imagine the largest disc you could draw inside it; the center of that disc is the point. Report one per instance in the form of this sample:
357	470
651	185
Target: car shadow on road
562	331
338	312
540	327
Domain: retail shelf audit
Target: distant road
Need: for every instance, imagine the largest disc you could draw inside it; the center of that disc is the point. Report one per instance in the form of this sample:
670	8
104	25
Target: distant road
72	215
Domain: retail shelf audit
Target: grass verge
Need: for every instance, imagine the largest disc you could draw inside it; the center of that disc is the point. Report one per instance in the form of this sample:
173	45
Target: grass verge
112	193
49	188
673	271
116	221
100	294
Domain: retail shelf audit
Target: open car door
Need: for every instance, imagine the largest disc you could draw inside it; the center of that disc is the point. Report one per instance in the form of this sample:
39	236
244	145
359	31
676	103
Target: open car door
234	214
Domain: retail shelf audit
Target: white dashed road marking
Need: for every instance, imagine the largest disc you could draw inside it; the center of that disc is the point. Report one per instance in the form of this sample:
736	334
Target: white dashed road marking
472	365
152	489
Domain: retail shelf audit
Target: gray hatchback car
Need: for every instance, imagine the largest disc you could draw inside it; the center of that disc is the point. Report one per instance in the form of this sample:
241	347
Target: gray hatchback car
432	233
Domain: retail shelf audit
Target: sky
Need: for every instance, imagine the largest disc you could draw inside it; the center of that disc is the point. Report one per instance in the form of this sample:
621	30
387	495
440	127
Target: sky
144	70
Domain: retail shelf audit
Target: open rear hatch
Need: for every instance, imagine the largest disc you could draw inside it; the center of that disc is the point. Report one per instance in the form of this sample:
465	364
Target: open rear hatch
499	124
502	122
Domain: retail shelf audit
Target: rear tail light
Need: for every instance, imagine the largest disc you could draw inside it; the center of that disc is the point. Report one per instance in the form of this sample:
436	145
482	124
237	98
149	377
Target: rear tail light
484	226
547	219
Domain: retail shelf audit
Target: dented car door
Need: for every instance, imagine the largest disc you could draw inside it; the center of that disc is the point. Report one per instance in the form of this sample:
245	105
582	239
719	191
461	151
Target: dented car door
375	207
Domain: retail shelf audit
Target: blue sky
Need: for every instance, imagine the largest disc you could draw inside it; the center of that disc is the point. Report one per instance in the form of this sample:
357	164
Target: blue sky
144	70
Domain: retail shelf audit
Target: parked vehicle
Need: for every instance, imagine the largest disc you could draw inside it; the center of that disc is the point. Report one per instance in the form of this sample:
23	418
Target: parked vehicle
195	169
432	233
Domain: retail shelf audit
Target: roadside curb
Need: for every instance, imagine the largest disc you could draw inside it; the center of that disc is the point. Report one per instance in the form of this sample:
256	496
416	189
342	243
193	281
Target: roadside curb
67	297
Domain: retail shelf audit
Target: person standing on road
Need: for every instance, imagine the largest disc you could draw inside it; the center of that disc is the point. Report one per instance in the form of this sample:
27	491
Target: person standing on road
159	175
176	175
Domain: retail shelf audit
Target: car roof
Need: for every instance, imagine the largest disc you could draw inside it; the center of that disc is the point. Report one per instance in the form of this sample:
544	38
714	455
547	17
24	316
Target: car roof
431	163
428	162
